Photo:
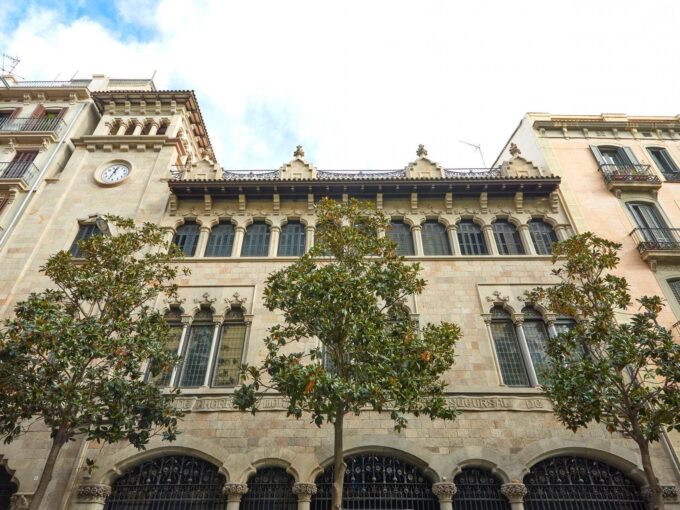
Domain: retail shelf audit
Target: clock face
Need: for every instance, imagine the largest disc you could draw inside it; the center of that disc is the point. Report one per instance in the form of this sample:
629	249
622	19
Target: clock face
115	173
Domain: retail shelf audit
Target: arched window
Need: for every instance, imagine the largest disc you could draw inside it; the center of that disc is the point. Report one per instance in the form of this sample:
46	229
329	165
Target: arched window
186	238
85	231
197	351
7	488
478	489
169	482
471	239
221	241
230	349
377	482
513	370
174	319
507	238
292	240
435	239
162	128
543	236
270	489
256	240
536	335
401	234
575	483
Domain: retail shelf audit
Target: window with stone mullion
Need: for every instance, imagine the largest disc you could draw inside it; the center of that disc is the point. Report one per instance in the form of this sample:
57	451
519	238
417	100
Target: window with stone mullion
435	239
230	350
543	236
186	238
471	239
256	240
537	336
221	241
508	352
401	235
507	238
292	240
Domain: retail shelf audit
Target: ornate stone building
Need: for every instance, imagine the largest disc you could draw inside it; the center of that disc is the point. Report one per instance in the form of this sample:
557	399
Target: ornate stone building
482	236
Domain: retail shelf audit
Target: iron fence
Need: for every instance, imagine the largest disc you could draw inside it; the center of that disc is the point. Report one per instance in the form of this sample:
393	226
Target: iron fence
30	124
663	239
628	173
19	170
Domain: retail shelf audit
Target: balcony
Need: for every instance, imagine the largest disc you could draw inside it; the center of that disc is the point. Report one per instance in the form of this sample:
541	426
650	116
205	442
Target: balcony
18	173
629	177
43	126
658	245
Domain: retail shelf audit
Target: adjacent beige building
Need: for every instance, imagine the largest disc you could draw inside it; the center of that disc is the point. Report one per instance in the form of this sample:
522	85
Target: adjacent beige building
482	237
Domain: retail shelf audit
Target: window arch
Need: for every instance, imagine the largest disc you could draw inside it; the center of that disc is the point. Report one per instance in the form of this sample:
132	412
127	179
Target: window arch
471	238
7	488
536	336
400	233
221	240
271	489
176	481
478	489
256	240
435	239
292	240
542	235
186	238
85	231
513	370
576	483
507	238
197	350
230	349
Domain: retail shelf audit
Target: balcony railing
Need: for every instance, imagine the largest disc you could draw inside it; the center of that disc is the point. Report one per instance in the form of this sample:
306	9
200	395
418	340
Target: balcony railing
28	124
18	170
656	239
628	174
178	171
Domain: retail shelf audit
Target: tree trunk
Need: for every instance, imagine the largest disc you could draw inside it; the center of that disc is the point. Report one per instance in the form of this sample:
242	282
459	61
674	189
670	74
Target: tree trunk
338	460
58	441
655	497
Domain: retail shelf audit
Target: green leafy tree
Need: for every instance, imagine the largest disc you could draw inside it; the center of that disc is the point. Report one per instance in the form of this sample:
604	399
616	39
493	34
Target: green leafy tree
73	355
625	375
349	293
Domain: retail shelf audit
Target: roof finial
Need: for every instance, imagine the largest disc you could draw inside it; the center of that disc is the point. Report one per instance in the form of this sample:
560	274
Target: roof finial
514	150
299	153
421	152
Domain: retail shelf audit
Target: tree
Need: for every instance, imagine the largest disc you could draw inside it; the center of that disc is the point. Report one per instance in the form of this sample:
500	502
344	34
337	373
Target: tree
625	375
73	355
349	293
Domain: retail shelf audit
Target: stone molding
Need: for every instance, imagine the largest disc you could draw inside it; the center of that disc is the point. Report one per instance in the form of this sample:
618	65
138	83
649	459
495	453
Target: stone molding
444	491
93	493
304	491
514	491
234	491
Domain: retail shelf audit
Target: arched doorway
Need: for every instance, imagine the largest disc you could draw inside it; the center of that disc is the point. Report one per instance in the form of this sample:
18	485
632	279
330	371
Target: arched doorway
377	482
7	488
176	482
576	483
270	489
478	489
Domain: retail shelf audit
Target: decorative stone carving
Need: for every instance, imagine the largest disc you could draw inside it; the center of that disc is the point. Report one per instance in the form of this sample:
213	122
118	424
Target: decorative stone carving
514	491
234	491
236	300
444	490
11	145
421	152
299	152
207	300
669	492
497	297
304	491
514	150
93	493
19	502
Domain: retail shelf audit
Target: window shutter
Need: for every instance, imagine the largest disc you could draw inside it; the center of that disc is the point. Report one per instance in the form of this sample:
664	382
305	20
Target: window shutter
229	355
435	240
537	337
631	157
186	238
256	241
675	287
292	240
471	239
38	112
221	241
598	155
15	113
3	202
401	234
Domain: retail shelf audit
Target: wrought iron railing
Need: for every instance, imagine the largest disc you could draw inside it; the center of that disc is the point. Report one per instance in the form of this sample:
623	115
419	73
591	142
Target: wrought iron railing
249	175
656	239
30	124
44	84
472	173
671	176
628	173
451	173
19	170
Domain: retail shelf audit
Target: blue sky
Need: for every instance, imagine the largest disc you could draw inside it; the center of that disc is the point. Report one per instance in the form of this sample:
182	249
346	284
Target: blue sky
360	84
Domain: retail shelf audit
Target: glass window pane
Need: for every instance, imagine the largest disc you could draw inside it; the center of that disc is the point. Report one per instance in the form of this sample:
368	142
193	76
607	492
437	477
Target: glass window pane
543	236
172	347
256	241
512	367
221	241
471	239
196	356
664	161
435	239
186	238
228	362
537	336
292	240
675	287
401	234
507	238
84	233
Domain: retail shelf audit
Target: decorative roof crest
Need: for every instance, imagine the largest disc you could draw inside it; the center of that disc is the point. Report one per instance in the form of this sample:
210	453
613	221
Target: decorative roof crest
514	150
299	152
421	152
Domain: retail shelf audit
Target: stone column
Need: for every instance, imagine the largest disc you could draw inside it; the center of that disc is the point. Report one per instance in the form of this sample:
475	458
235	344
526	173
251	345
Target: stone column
309	237
490	239
121	129
416	233
92	497
561	233
138	128
154	128
274	234
234	492
518	320
515	492
452	232
525	236
203	235
304	492
239	232
445	492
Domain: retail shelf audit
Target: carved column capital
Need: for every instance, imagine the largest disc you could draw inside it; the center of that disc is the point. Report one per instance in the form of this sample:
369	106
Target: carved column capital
95	493
444	491
669	493
234	491
514	491
304	491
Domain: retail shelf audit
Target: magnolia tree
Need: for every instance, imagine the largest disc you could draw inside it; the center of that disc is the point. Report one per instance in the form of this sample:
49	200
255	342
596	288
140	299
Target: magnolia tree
73	355
625	375
346	298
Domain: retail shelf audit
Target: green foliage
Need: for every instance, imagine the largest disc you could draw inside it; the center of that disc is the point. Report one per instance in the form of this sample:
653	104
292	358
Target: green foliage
349	293
73	355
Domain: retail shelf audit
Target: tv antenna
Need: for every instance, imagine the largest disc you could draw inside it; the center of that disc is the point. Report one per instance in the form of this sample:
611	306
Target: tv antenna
9	63
478	148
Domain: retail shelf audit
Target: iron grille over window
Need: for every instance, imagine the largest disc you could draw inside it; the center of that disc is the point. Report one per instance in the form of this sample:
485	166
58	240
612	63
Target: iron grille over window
270	489
292	240
471	239
186	238
537	337
543	236
401	234
507	238
377	482
256	241
221	241
513	370
169	483
84	233
435	239
576	483
478	490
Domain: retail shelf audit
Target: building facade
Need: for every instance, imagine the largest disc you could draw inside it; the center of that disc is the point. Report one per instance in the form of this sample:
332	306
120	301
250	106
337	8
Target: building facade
483	238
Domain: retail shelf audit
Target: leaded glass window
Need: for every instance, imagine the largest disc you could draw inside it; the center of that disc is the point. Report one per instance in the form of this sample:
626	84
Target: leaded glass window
256	240
221	241
186	238
270	489
435	239
401	234
543	236
84	233
471	238
513	370
197	351
536	336
292	240
478	489
507	238
230	351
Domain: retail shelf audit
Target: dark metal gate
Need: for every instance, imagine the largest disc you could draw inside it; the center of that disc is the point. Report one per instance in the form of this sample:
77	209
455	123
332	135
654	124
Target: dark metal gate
7	488
270	489
169	483
377	482
478	490
576	483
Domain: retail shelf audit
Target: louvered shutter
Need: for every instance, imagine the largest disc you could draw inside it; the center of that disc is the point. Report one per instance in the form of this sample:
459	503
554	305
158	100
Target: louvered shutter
435	239
221	241
256	241
401	234
537	337
598	155
507	238
186	238
675	287
292	240
630	156
471	239
543	236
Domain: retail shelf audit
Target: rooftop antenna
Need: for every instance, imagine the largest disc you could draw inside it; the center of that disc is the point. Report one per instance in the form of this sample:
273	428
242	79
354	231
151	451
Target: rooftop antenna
478	148
74	75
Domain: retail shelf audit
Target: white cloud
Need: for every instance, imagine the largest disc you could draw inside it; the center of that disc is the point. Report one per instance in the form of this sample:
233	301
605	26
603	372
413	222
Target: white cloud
361	84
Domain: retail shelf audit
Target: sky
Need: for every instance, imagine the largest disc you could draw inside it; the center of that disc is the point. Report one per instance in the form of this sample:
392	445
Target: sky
361	83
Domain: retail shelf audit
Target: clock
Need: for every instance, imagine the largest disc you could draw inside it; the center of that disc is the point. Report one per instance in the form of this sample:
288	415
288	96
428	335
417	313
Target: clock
113	174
